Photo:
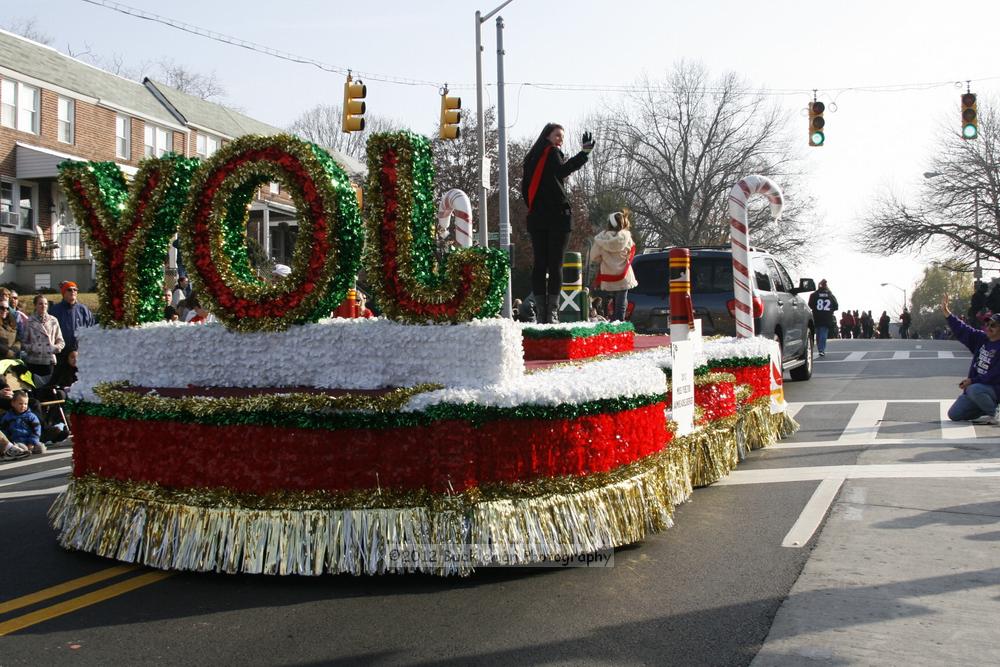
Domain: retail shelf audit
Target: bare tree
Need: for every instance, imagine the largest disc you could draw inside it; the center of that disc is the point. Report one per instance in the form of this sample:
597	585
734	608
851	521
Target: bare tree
322	125
456	162
673	151
957	213
28	28
206	86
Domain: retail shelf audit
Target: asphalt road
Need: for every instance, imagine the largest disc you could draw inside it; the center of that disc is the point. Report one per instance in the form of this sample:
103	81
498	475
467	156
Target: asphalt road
704	592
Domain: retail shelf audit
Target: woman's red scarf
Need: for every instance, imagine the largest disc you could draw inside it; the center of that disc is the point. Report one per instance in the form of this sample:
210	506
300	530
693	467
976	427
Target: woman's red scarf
536	177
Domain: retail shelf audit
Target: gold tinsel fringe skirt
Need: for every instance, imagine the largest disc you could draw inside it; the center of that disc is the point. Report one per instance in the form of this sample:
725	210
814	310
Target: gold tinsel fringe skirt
206	532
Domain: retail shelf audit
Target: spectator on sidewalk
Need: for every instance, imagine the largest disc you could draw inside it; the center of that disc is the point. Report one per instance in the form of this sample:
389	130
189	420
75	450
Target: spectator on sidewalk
197	314
182	290
15	308
10	338
904	324
43	339
21	425
883	325
980	389
70	313
169	312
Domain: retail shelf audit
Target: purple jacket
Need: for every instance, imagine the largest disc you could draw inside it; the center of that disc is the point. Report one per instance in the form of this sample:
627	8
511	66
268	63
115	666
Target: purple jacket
985	368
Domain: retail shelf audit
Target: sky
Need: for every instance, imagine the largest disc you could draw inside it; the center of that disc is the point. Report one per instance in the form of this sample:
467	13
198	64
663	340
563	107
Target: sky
877	140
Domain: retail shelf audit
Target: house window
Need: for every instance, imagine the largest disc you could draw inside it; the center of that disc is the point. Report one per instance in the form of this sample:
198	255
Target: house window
275	187
19	106
26	204
158	141
8	212
67	119
207	145
123	137
18	203
8	103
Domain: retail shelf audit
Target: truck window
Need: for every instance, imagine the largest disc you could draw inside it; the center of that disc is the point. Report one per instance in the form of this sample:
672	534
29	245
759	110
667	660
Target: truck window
785	276
709	275
772	270
760	274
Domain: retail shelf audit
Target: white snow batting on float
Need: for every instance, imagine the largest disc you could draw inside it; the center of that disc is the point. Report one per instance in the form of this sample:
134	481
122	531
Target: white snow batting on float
739	233
456	202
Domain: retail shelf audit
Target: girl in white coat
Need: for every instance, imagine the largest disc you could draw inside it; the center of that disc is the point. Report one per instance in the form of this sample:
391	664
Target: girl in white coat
614	249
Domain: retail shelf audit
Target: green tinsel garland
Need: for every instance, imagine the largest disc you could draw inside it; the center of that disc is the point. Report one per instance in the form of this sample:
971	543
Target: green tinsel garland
227	230
297	413
580	331
425	287
115	202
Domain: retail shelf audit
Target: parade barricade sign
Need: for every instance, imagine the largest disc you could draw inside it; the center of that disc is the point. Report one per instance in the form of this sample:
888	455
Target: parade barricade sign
682	386
778	404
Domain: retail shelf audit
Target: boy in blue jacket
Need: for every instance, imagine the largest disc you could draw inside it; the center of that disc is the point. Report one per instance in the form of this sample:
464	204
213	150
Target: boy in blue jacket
981	388
21	425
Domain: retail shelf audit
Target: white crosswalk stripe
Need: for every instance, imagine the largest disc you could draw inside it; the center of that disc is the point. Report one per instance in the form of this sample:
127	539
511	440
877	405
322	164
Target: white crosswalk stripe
862	427
897	355
14	487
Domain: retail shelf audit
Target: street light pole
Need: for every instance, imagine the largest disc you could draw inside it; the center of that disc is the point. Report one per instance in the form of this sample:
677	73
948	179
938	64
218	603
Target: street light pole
484	170
978	274
481	133
502	158
905	300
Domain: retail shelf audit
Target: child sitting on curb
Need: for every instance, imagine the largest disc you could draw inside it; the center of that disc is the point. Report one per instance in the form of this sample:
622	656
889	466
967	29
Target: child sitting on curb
21	425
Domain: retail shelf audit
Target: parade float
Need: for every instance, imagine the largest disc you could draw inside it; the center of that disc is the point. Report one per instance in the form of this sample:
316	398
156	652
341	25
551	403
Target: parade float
282	441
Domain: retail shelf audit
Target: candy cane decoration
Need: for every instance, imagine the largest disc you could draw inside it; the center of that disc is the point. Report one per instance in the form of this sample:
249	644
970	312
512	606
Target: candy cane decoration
739	234
456	202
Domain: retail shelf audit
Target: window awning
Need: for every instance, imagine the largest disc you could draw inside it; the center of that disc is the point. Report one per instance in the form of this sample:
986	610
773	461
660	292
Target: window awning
36	162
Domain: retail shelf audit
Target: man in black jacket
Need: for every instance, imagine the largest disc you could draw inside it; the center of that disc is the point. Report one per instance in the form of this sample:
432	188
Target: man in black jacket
823	304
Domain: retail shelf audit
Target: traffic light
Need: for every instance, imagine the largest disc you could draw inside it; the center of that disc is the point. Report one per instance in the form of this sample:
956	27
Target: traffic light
354	106
816	123
450	116
970	117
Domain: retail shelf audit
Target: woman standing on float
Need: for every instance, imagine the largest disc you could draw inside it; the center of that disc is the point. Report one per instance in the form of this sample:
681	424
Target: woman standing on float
549	214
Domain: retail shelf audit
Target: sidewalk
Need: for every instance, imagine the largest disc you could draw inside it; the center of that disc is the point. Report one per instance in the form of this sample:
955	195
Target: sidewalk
904	572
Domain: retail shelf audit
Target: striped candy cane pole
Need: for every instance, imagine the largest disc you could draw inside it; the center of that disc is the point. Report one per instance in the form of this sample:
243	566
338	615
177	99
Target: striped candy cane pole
740	241
456	202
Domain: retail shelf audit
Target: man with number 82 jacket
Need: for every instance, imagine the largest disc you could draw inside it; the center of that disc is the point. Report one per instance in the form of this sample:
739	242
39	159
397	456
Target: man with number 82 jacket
823	304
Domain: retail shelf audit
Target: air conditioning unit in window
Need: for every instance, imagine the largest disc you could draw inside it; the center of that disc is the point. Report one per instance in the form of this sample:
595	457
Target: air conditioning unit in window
9	219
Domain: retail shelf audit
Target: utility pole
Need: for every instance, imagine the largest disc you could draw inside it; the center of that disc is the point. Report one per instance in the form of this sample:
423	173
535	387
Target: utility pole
502	157
484	173
978	273
484	169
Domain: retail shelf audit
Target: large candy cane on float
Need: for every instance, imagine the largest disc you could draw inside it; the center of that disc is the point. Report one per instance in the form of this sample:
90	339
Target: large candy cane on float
456	202
739	234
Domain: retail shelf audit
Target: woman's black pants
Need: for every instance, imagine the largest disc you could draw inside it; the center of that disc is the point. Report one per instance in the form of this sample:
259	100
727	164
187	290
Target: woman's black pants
548	247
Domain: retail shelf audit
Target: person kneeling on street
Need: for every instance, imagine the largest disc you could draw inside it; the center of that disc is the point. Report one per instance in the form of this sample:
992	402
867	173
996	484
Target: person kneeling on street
21	425
981	388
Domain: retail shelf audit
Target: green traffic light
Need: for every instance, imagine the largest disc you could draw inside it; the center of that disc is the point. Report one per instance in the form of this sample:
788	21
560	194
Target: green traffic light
970	131
817	138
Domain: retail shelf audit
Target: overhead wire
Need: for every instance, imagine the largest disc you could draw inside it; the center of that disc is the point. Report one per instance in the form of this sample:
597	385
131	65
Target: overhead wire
542	85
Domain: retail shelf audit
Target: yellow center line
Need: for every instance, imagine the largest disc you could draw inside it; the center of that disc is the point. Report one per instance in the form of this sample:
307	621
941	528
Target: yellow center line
65	587
71	605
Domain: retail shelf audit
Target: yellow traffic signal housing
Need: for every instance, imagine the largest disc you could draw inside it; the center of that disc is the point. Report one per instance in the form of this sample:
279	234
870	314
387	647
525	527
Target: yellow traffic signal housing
817	134
970	116
354	106
450	116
